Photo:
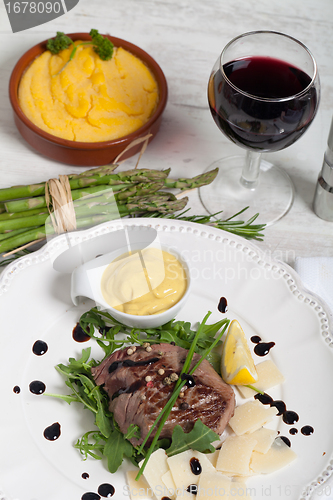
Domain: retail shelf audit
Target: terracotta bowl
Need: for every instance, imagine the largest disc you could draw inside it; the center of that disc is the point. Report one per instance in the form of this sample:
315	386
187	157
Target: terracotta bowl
84	153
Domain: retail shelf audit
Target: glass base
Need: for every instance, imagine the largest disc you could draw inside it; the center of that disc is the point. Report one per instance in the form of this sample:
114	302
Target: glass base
272	197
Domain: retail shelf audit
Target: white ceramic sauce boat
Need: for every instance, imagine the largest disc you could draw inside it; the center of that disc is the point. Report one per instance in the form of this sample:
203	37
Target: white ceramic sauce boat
86	282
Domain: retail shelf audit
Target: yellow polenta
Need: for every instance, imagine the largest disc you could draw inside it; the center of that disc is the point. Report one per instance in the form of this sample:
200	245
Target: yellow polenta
88	100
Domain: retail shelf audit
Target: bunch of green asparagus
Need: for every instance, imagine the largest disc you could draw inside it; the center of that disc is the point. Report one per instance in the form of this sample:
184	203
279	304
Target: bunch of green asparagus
101	195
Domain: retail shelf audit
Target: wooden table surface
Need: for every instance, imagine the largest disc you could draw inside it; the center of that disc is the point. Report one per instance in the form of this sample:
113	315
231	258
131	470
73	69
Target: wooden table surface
186	37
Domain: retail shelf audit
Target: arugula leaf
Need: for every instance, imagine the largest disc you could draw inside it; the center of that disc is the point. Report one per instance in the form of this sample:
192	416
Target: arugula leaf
168	337
87	448
102	420
115	449
77	366
214	358
199	438
68	399
133	432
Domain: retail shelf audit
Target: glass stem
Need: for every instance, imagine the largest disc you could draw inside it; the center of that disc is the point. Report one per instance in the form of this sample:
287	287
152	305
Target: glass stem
251	168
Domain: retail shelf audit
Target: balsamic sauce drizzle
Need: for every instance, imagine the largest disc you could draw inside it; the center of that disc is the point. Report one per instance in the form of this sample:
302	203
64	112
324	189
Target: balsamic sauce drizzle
262	348
37	387
90	496
290	417
79	335
85	475
190	382
307	430
285	440
280	406
130	362
265	399
52	432
103	330
192	488
223	305
40	347
195	465
129	390
106	490
17	389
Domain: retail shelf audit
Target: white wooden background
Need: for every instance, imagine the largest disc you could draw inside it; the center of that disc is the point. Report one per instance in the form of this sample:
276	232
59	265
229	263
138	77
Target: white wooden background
185	37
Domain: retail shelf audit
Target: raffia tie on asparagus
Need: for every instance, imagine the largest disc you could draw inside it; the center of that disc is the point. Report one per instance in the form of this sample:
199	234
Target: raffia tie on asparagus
63	214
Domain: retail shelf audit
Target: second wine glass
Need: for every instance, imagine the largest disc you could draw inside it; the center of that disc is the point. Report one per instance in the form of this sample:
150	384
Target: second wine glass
263	94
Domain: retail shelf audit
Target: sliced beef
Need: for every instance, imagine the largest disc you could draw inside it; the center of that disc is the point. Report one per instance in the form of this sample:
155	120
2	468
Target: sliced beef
133	400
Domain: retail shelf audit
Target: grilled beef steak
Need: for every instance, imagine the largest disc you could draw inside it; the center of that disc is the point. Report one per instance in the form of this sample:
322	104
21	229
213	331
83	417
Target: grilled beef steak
137	400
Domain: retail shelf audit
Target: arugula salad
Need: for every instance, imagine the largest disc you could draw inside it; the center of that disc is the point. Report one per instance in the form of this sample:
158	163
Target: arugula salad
106	440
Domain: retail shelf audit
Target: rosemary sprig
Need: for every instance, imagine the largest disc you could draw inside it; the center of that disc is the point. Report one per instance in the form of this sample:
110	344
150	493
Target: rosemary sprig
246	229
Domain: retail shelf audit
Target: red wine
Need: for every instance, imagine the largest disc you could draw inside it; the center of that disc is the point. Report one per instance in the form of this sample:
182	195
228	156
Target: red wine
252	121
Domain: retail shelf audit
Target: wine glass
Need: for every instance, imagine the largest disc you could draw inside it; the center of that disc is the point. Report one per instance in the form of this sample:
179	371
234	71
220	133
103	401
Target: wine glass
263	94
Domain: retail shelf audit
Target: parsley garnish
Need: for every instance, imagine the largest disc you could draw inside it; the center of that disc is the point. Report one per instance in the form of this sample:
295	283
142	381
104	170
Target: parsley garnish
60	42
101	45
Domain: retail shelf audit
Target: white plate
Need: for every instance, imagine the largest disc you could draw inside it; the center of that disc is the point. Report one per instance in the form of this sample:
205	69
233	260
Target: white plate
266	296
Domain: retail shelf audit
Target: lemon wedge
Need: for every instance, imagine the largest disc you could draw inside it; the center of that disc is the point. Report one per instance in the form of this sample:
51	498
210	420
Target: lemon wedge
237	366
